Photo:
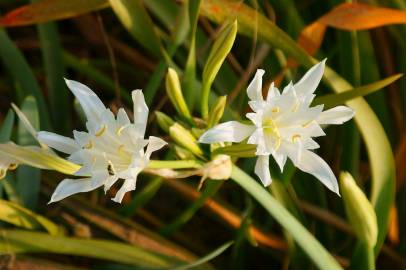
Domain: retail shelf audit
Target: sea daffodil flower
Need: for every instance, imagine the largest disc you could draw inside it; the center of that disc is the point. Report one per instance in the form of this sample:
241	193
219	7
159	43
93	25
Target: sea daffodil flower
284	125
111	149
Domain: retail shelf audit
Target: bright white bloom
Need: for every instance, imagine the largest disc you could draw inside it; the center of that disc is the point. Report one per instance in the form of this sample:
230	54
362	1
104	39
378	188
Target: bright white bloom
284	126
111	149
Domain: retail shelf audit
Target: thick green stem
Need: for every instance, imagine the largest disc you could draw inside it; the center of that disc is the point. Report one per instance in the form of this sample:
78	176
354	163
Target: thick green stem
174	164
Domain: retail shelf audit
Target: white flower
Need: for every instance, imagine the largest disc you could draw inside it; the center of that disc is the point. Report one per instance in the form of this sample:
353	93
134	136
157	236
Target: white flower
284	126
111	149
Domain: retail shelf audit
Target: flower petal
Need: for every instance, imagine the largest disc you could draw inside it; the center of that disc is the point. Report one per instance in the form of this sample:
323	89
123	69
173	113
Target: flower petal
309	82
315	165
272	92
129	185
90	102
122	118
69	187
280	159
254	89
335	116
140	111
154	144
231	131
262	170
61	143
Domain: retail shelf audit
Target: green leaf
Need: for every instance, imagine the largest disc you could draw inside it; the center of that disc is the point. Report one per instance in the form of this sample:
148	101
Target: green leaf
19	216
136	20
7	126
28	178
50	10
206	258
320	256
332	100
58	93
18	241
23	77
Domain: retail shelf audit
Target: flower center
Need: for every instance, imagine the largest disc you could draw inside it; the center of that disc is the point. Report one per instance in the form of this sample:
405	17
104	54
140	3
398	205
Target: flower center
271	132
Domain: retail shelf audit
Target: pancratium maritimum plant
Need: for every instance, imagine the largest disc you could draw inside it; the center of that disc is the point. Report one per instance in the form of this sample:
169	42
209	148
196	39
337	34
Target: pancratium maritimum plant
284	125
111	149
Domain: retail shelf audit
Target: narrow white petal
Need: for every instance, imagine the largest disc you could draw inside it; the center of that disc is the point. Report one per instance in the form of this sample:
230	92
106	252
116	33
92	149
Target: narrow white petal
232	131
315	165
82	138
99	177
272	92
69	187
280	160
335	116
140	111
122	118
309	82
90	102
129	185
262	170
256	118
61	143
110	182
154	144
254	89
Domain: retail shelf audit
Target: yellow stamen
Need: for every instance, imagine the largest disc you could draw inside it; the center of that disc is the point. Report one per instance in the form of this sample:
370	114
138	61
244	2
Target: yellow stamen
275	110
101	131
295	138
12	166
89	145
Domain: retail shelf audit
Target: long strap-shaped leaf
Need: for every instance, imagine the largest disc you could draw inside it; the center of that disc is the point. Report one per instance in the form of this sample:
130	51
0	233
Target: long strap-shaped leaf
379	149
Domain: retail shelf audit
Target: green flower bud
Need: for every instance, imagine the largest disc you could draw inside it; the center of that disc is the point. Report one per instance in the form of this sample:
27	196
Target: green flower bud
221	47
174	91
360	211
164	121
216	111
182	153
185	138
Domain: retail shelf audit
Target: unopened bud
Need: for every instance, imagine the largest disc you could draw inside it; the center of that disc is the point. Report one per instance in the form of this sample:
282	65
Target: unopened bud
185	138
216	111
164	121
360	211
174	91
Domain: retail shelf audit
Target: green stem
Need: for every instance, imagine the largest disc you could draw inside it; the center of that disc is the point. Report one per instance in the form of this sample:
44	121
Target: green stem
204	105
320	256
174	164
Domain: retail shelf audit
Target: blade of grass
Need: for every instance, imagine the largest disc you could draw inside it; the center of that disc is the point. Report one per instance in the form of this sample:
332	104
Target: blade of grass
18	241
22	75
28	178
333	100
58	93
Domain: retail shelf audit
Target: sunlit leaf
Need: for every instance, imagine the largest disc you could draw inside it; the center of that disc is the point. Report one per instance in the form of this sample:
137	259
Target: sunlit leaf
19	216
50	10
337	99
348	16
